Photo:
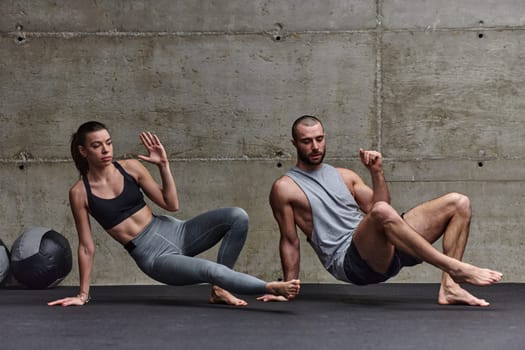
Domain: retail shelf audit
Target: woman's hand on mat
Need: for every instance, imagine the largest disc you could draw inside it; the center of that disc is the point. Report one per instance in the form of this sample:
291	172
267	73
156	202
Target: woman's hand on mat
69	301
271	297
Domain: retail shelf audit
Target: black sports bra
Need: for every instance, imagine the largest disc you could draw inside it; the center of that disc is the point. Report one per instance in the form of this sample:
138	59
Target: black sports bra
111	212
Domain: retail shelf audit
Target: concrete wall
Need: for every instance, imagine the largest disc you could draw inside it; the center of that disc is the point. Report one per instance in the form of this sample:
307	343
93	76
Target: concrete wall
437	86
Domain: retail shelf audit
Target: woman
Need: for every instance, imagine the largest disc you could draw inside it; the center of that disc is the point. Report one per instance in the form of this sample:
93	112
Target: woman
162	246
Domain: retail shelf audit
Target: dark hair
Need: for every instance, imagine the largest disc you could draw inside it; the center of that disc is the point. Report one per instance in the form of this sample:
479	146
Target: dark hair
79	139
307	120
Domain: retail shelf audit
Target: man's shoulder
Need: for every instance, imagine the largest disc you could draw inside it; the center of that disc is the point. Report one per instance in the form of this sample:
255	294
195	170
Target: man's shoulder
284	188
283	182
345	171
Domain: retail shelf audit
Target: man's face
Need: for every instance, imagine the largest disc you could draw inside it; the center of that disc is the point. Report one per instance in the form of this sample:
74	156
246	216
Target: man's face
310	143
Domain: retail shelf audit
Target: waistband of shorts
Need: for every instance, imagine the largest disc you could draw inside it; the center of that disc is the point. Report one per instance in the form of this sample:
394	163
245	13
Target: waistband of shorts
131	244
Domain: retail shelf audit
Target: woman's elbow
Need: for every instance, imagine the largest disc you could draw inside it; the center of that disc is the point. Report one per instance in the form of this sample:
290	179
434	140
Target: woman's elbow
173	207
86	250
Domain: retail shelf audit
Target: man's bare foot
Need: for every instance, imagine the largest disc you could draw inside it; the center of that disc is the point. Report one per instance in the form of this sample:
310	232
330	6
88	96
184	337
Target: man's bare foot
222	296
466	273
288	289
456	295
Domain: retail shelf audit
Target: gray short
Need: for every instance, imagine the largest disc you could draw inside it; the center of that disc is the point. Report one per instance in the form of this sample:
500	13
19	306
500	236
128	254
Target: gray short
360	273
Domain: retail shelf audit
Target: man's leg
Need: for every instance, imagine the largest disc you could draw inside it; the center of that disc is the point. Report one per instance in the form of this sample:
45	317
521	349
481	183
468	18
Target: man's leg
383	229
448	216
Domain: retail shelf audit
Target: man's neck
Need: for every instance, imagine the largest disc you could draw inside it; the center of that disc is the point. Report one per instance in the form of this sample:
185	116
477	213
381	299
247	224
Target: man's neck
308	167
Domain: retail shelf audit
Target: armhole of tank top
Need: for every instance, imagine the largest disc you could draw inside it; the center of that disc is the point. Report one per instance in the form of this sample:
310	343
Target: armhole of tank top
344	183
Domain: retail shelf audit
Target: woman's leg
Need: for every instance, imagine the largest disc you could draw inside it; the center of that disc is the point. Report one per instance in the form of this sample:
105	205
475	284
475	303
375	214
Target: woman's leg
159	254
206	230
179	270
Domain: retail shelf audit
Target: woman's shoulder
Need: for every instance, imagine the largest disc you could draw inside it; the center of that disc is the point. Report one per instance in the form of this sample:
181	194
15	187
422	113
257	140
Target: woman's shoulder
77	186
129	163
77	191
133	167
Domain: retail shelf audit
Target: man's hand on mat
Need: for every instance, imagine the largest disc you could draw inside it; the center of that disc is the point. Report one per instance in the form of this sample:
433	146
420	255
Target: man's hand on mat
271	297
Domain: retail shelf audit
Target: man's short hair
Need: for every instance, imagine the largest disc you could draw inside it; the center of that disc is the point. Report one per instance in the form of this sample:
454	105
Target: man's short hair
307	120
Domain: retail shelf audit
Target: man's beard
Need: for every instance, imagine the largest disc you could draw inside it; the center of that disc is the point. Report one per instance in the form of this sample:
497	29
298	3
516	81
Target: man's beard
304	158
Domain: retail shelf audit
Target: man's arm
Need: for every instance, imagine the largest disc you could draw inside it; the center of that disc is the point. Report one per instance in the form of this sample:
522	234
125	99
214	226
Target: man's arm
289	241
289	247
364	195
374	161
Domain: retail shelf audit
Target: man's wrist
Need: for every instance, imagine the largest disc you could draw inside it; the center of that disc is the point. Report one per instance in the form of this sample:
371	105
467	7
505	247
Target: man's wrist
377	172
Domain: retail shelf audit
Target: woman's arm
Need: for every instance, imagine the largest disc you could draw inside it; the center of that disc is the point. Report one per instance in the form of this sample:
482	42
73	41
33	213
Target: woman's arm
165	195
86	246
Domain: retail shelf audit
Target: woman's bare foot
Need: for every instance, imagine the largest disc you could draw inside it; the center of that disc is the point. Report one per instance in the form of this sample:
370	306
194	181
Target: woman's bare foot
288	289
222	296
466	273
455	295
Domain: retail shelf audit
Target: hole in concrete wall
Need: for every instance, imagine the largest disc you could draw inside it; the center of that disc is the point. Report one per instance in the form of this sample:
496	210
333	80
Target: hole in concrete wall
278	32
21	167
480	35
20	39
481	22
279	164
480	164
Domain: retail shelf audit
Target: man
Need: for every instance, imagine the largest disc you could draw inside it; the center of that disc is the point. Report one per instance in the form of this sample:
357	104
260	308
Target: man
354	230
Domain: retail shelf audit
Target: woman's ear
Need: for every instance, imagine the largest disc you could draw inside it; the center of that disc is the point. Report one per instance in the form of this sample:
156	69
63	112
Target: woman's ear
82	151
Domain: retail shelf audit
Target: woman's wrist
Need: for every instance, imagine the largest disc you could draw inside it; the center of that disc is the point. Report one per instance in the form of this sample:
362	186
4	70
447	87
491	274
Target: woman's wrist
84	297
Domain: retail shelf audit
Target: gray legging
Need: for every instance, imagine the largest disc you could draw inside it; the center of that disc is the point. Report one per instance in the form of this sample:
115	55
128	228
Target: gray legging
165	250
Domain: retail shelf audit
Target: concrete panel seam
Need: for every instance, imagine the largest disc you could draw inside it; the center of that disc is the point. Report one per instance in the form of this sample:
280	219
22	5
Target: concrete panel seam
379	75
17	160
380	26
68	35
429	29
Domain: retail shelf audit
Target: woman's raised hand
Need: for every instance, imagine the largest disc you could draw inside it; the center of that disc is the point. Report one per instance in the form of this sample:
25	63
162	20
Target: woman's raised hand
156	152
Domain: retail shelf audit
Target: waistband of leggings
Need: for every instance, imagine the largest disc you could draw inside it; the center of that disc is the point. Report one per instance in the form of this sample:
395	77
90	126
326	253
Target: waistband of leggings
131	244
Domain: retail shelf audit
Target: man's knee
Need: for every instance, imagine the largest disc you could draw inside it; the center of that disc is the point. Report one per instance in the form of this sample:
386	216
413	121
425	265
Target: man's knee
461	203
384	213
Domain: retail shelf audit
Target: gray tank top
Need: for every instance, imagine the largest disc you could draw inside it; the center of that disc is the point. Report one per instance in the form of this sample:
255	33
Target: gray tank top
335	215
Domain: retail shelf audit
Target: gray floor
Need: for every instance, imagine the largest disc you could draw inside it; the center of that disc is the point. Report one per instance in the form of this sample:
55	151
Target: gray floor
326	316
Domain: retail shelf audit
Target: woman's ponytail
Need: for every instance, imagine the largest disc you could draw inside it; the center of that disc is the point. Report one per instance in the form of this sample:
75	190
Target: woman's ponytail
79	139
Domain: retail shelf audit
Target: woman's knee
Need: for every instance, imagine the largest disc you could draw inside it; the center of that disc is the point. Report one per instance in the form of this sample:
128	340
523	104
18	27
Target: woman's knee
239	216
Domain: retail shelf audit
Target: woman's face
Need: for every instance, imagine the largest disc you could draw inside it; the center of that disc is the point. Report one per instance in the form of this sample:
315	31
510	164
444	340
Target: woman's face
98	149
